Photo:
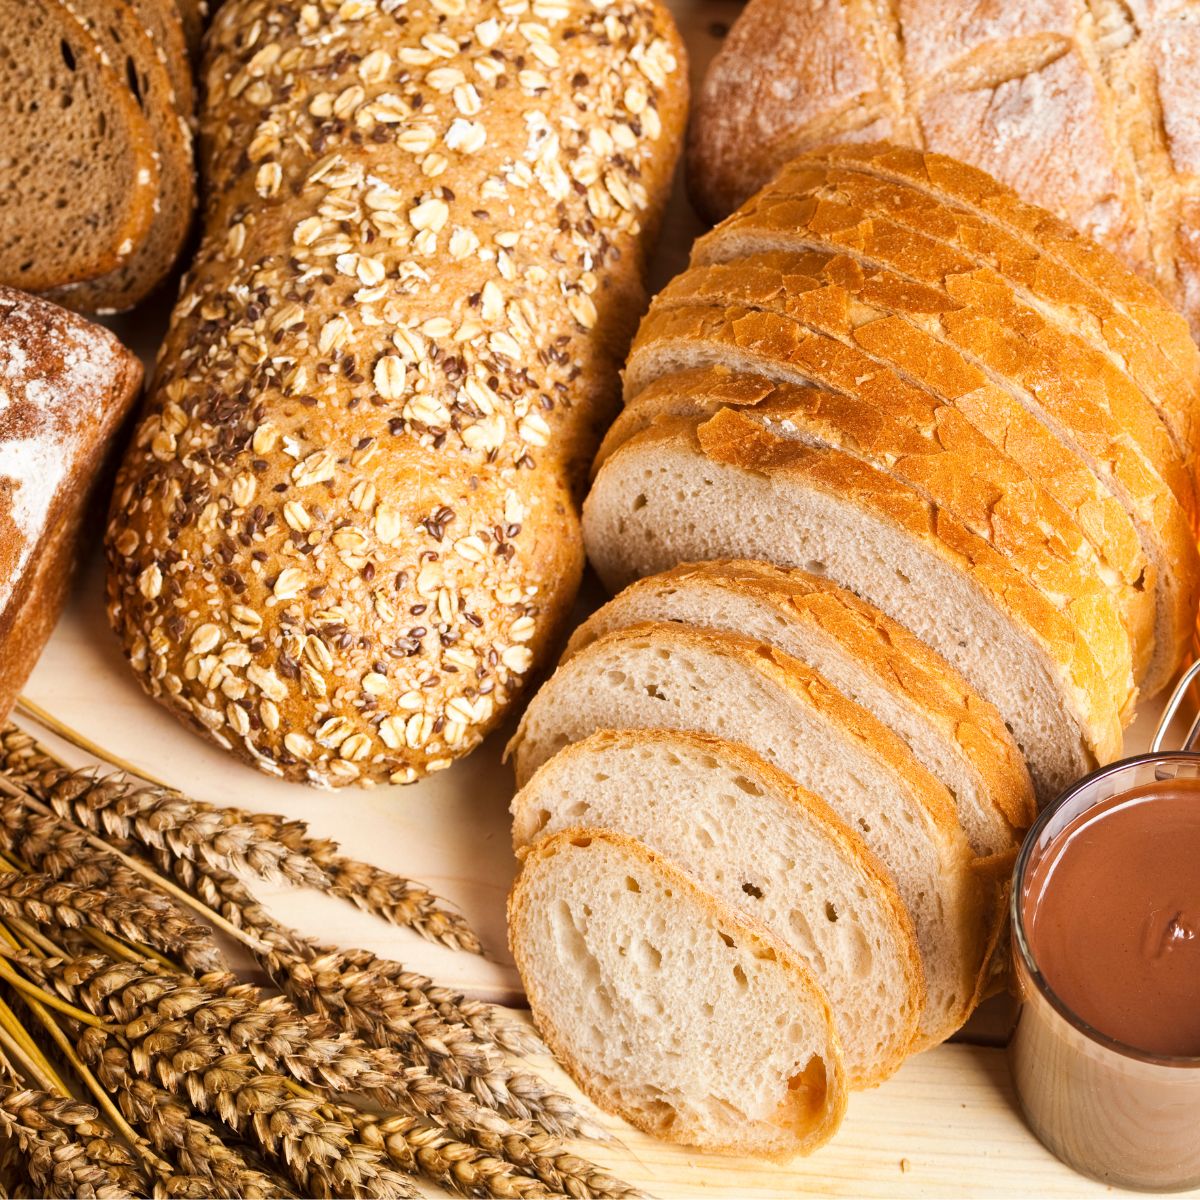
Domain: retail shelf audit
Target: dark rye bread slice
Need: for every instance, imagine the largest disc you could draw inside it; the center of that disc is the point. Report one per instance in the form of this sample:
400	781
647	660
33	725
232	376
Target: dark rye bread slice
129	47
162	20
77	170
194	15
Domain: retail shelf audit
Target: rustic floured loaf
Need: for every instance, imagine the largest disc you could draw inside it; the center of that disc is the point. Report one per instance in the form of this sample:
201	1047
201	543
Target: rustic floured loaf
952	731
687	489
65	386
346	528
667	1007
665	676
78	177
1088	109
754	840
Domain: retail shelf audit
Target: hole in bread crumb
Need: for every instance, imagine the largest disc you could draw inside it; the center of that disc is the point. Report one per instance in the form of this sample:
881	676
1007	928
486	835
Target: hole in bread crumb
131	77
751	890
582	842
815	566
640	502
68	55
740	976
900	575
543	819
653	691
863	825
631	884
616	678
767	955
831	913
748	786
811	1082
725	938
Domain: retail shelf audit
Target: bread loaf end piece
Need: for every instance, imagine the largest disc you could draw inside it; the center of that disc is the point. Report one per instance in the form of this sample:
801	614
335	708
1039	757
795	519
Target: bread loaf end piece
68	384
692	1024
347	528
78	178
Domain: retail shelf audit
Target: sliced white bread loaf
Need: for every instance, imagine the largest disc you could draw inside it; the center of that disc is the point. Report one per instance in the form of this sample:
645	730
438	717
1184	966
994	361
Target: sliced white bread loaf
885	356
765	847
934	450
666	1007
664	676
684	490
952	731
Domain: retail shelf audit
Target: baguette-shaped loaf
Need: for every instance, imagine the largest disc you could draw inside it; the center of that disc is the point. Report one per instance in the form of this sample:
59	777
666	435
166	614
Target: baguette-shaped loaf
665	676
65	387
1087	109
668	1008
952	731
346	528
766	848
687	489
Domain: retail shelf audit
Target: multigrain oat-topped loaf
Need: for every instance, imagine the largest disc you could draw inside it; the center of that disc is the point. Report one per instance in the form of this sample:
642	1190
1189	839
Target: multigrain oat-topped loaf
65	385
1087	107
346	529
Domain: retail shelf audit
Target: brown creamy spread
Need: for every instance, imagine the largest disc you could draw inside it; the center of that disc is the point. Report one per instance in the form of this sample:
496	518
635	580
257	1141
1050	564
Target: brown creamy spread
1112	914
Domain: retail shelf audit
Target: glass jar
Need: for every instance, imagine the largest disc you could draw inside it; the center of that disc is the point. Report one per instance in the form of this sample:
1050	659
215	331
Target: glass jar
1111	1111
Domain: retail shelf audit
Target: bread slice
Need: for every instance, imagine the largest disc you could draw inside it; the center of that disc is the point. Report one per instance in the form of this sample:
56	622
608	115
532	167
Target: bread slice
130	49
664	676
77	176
668	1009
194	15
767	849
1147	523
685	490
951	730
163	21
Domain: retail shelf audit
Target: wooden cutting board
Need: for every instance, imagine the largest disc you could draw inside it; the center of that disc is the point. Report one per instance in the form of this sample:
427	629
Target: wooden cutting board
946	1125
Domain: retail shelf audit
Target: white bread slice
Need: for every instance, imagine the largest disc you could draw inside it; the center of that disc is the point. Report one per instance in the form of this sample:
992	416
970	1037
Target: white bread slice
664	676
766	848
668	1009
684	490
952	731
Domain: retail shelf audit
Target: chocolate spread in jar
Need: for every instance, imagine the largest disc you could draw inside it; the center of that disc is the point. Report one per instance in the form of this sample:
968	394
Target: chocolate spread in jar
1112	915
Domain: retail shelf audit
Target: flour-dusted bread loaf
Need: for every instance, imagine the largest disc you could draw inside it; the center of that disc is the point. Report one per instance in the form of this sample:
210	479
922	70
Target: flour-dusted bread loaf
346	528
65	386
687	489
766	848
78	177
665	676
1076	105
953	732
128	44
693	1024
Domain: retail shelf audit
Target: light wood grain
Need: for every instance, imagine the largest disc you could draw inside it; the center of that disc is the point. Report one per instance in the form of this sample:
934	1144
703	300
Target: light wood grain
946	1125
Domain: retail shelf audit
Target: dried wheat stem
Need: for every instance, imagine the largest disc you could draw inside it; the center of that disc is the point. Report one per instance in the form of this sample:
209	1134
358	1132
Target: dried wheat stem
48	720
30	1064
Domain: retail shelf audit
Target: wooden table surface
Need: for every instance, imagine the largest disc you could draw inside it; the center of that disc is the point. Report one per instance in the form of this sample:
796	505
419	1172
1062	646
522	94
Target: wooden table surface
946	1125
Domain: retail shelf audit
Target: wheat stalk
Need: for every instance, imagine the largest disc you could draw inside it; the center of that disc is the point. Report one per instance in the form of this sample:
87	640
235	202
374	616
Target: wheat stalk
67	1150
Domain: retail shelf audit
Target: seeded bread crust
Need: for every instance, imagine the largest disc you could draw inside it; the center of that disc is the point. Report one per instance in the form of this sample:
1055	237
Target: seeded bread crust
736	439
47	236
1088	109
870	876
346	528
798	1127
69	385
917	676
